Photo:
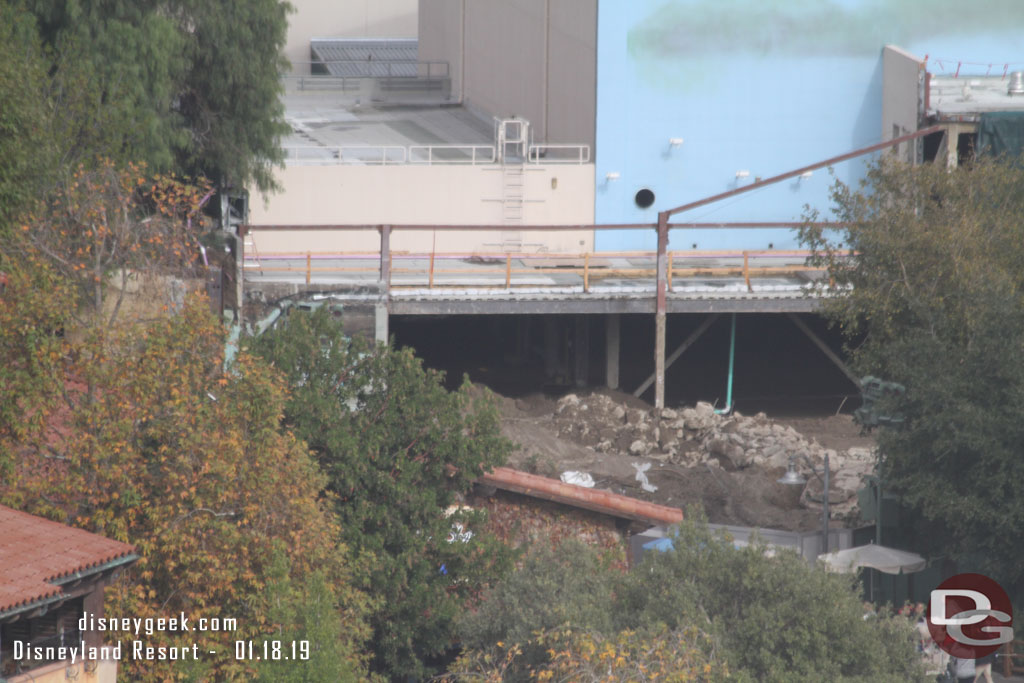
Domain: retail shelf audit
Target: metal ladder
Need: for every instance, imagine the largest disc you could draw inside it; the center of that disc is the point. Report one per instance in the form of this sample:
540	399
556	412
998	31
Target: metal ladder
512	136
251	253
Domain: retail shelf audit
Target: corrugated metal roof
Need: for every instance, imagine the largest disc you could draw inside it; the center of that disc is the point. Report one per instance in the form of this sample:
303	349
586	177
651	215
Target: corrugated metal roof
35	553
598	500
367	57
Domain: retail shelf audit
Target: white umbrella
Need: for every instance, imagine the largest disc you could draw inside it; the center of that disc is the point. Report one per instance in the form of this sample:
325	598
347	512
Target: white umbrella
888	560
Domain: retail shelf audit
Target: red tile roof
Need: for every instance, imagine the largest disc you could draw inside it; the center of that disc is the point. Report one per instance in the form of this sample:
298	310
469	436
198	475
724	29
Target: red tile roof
598	500
35	551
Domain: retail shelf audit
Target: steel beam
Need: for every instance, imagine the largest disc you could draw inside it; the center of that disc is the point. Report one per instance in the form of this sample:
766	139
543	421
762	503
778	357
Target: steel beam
612	329
678	352
803	169
825	349
660	312
597	307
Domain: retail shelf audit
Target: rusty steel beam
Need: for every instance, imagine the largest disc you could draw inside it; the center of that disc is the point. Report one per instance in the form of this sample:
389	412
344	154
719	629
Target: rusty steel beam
425	226
552	228
660	312
813	167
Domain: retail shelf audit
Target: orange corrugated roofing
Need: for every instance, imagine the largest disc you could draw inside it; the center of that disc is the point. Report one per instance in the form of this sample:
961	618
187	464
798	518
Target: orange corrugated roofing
35	551
591	499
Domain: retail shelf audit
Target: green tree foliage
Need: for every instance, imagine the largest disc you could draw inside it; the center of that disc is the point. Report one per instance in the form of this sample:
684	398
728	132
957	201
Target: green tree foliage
778	618
26	149
397	449
761	616
306	611
159	447
553	587
581	657
186	86
937	295
34	306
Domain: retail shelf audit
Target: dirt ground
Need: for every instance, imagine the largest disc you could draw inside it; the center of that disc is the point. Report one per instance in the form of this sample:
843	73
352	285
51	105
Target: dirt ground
748	497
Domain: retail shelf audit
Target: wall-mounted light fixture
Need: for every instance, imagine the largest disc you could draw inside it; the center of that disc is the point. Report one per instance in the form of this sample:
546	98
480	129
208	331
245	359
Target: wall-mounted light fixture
675	142
742	174
611	175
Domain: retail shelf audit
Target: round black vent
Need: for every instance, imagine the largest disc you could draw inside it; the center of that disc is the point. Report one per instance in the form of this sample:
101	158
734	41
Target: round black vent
644	198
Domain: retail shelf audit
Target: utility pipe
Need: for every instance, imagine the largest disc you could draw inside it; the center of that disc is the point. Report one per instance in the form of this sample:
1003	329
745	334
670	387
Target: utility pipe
732	360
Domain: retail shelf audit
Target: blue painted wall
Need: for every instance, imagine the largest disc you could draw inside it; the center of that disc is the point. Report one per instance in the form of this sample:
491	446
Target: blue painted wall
764	86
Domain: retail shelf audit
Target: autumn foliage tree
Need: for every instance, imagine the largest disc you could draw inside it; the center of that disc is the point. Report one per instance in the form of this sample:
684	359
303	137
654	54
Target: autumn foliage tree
34	305
106	224
158	446
397	449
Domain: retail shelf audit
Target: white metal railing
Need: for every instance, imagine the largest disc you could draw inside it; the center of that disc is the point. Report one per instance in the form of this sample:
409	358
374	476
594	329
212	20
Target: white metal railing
452	154
305	82
346	154
558	154
470	154
375	68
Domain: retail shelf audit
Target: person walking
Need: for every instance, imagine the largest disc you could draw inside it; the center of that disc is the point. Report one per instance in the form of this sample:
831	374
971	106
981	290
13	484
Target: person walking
963	669
983	668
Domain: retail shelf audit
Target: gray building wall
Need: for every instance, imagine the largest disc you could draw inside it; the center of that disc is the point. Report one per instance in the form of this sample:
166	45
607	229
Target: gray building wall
540	65
901	77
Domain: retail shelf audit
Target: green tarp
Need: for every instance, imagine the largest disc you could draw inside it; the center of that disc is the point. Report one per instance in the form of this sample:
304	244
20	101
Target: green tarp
1002	134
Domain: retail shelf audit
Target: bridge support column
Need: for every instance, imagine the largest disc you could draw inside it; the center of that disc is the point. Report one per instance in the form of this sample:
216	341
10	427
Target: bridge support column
380	322
581	347
659	313
612	328
380	309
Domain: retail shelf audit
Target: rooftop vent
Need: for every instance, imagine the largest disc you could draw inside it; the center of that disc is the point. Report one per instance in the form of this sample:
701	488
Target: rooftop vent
1016	83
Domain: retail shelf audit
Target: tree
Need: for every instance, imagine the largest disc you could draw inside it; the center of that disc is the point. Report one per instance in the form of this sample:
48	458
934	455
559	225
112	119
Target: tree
306	610
104	221
777	617
567	585
161	448
397	449
34	306
758	615
188	87
936	293
582	657
26	148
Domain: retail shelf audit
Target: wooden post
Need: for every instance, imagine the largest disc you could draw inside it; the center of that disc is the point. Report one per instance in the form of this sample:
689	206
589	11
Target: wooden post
746	270
586	272
430	283
309	263
508	271
659	313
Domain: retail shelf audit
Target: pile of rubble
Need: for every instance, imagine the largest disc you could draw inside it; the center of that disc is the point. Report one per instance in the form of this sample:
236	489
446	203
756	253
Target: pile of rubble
699	436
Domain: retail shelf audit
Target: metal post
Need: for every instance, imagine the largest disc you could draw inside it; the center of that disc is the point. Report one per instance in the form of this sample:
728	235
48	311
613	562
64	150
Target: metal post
611	336
659	316
385	257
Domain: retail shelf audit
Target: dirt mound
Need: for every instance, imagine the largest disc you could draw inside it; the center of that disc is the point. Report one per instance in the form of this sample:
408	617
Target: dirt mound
728	464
